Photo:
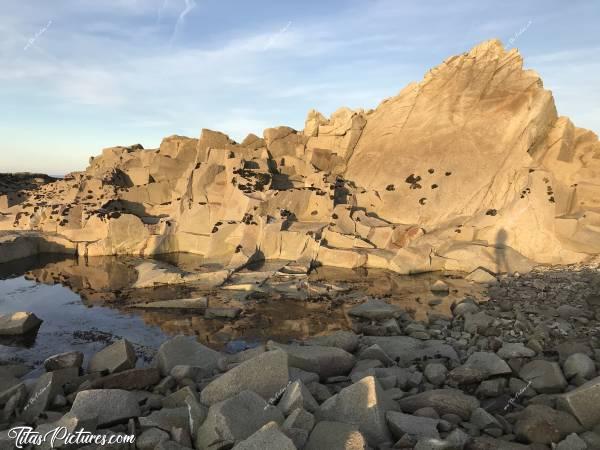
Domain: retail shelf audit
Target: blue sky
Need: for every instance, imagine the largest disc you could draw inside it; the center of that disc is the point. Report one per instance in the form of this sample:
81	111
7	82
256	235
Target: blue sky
80	75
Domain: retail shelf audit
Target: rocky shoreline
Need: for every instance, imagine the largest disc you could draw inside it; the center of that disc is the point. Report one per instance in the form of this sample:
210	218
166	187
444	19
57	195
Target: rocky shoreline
517	371
470	170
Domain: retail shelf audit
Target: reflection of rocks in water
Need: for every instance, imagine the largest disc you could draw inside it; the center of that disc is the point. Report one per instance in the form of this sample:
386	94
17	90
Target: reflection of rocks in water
270	320
273	304
411	292
24	341
102	279
18	267
95	274
106	338
191	263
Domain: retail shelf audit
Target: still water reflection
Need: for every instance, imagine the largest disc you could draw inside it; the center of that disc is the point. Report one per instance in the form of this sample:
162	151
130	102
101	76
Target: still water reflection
87	303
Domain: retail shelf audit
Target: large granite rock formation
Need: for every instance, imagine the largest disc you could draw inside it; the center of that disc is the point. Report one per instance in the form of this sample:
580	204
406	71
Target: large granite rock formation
472	167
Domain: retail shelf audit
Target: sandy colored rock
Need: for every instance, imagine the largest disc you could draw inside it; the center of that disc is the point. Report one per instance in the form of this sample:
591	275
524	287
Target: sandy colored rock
439	286
470	169
199	303
481	276
18	323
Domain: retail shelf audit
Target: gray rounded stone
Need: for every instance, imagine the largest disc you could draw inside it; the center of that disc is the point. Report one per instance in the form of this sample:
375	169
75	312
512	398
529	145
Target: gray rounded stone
579	364
515	350
546	377
266	374
109	405
151	438
436	373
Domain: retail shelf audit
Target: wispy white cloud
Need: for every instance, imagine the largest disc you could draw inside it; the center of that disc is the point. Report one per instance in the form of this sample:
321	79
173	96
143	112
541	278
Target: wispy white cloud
274	37
139	69
188	7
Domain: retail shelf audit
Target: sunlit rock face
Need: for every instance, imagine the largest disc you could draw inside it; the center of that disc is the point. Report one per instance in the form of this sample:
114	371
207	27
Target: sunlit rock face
471	167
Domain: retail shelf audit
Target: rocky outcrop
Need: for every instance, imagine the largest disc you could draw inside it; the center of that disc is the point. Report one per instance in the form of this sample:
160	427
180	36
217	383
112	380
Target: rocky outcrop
12	186
470	168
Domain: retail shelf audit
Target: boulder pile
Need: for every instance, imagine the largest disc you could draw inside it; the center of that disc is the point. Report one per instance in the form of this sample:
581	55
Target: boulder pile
496	375
470	169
